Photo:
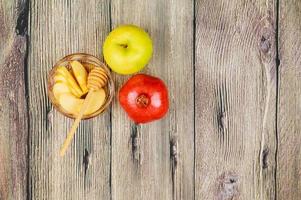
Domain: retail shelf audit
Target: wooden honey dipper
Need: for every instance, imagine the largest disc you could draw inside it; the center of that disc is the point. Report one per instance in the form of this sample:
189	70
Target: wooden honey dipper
97	79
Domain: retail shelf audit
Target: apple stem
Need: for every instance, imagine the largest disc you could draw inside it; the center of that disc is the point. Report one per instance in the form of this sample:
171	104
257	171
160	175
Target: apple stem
142	100
124	45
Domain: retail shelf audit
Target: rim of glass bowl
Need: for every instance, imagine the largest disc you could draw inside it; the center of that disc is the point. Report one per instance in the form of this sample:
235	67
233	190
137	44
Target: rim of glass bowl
86	58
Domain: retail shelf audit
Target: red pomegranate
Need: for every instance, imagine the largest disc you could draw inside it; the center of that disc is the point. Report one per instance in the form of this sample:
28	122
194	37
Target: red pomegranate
144	98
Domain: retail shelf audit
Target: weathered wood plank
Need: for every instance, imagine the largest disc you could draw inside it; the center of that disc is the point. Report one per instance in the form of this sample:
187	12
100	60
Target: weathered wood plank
143	166
235	99
58	28
289	106
13	109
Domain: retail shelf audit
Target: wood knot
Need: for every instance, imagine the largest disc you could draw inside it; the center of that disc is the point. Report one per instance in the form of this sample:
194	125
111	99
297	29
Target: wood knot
174	152
135	144
265	154
86	161
265	44
222	120
227	186
174	162
22	20
221	111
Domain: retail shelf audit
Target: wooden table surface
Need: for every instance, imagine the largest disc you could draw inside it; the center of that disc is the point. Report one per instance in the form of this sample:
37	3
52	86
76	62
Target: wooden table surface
233	131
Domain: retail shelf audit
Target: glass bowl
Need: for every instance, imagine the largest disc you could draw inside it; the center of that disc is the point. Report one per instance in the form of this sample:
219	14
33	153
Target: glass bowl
89	62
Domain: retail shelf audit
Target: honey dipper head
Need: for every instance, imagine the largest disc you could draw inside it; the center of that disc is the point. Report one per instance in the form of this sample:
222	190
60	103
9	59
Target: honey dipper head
97	78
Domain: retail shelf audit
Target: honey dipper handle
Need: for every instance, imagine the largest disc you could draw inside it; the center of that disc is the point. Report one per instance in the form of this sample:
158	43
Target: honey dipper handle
75	124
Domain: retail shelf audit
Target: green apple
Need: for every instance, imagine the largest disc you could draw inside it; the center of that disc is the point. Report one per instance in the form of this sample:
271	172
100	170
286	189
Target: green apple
127	49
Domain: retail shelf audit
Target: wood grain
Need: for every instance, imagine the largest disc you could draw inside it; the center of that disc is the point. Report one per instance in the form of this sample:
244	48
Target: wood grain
235	99
224	147
13	107
155	161
289	106
58	28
